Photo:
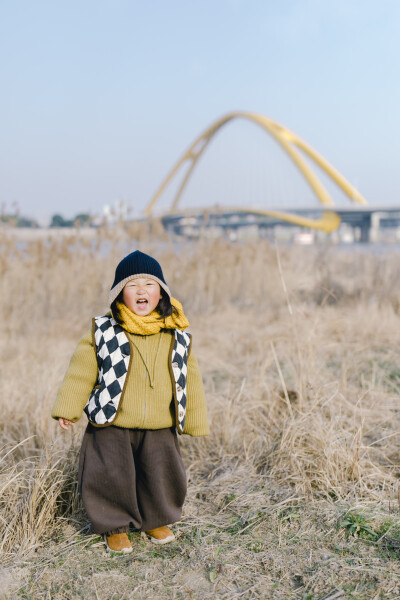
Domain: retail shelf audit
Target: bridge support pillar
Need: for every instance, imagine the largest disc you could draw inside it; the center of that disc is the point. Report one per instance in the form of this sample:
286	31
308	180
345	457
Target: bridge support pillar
365	230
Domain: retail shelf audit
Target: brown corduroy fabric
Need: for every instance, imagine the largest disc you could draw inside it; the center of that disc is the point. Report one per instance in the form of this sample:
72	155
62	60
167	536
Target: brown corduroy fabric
131	477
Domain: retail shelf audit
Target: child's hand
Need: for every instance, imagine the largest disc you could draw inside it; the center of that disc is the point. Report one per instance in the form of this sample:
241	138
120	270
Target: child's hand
64	423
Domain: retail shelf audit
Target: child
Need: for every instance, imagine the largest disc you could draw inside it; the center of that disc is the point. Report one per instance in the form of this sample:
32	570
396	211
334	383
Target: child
138	382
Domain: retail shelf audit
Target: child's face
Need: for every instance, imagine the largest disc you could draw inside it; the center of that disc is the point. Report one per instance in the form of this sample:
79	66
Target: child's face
141	295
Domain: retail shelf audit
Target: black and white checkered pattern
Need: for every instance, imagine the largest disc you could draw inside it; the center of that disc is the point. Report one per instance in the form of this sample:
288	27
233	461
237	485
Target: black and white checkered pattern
113	356
179	368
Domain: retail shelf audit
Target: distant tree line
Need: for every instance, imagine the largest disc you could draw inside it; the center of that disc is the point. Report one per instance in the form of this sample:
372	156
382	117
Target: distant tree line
83	219
17	220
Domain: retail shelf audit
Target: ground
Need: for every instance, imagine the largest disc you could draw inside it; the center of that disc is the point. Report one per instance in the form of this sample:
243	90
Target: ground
294	495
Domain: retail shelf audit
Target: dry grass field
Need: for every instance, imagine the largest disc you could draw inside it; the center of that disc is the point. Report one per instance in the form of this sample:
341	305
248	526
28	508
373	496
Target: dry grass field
295	494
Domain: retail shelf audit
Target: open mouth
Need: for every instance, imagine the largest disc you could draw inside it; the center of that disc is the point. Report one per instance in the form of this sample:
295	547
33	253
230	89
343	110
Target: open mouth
142	301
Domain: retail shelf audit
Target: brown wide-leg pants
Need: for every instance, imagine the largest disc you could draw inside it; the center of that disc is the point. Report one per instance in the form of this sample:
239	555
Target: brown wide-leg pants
131	477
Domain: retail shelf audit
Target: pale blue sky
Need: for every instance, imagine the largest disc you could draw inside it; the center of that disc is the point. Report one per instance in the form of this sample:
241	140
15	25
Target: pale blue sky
100	98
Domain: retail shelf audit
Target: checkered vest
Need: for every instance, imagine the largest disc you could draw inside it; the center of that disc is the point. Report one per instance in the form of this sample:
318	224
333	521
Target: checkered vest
179	358
113	358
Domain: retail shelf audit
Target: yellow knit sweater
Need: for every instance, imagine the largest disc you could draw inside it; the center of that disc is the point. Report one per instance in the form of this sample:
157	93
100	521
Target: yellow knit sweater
146	403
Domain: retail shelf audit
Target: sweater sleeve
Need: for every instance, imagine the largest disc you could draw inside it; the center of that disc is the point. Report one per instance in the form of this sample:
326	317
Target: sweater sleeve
78	383
196	422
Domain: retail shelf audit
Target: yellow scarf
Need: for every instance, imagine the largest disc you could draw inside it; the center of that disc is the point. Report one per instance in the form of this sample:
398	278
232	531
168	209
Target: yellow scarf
150	324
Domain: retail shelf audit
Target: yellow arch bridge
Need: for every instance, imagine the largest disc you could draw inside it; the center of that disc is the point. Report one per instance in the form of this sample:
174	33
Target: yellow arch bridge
291	143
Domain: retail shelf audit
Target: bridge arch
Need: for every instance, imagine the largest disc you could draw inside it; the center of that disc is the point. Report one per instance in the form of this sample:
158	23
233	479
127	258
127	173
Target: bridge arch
290	142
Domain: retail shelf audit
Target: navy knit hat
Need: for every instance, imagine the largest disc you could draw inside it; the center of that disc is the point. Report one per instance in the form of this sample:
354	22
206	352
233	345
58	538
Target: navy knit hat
137	264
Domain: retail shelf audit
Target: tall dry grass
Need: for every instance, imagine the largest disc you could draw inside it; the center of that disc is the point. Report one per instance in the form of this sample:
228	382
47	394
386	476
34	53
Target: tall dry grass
298	349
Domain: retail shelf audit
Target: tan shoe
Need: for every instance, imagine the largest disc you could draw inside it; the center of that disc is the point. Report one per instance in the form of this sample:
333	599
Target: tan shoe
161	535
118	542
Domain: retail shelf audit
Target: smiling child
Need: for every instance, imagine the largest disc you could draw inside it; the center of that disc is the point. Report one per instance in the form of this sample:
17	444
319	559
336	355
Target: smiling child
138	381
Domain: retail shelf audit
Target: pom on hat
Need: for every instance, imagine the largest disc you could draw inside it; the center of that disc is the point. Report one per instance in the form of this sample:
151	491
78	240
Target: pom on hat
137	264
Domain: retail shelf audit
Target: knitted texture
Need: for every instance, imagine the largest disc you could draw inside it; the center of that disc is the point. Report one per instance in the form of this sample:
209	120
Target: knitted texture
148	394
137	264
150	324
